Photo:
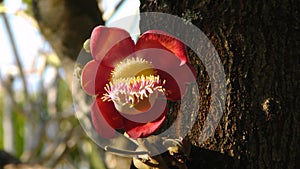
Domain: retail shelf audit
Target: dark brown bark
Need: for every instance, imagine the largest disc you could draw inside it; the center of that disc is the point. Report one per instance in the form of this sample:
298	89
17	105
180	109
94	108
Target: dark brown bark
258	45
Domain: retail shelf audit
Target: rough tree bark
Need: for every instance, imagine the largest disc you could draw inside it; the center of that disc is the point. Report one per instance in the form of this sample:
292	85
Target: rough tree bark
258	45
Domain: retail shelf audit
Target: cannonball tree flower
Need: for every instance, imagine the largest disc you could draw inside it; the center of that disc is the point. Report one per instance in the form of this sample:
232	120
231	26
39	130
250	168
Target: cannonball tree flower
131	82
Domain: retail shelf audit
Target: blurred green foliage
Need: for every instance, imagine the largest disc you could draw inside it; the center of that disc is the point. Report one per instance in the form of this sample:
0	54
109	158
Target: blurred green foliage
18	124
1	119
45	128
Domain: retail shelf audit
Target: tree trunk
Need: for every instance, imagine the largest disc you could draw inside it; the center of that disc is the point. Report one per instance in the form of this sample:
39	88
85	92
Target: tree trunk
258	44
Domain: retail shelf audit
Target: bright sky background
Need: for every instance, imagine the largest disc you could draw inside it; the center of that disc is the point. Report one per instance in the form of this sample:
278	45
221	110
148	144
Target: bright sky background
29	41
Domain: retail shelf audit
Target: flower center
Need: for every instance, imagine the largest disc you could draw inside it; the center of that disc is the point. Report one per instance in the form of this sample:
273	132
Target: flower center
133	86
132	67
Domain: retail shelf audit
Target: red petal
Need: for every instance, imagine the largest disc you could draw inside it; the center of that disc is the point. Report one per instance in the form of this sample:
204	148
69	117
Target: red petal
110	45
162	40
94	77
100	124
110	113
177	80
174	92
167	66
139	130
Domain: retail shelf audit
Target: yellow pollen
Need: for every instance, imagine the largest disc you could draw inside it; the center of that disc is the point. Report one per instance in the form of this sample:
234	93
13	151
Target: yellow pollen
132	67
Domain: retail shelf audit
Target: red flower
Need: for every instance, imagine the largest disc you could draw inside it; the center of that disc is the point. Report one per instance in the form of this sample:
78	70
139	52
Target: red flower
131	82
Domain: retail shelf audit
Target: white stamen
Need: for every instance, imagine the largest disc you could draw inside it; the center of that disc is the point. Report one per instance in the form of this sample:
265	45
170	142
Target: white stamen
132	81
